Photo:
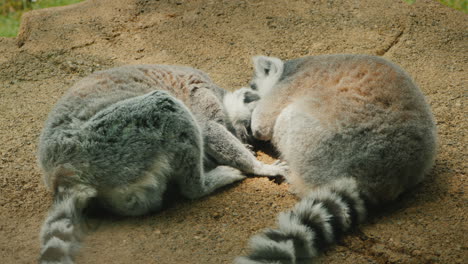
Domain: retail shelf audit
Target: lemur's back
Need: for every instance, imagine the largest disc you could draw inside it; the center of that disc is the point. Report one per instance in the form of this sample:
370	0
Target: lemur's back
351	116
104	88
344	90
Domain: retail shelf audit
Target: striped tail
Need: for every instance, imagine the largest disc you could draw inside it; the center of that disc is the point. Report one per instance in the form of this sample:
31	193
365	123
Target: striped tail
315	223
61	231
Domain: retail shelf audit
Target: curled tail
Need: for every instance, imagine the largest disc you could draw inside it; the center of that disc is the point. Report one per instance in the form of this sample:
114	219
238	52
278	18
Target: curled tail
315	222
61	231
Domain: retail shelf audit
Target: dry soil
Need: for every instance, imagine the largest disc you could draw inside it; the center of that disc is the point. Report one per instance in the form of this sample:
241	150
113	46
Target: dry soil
58	46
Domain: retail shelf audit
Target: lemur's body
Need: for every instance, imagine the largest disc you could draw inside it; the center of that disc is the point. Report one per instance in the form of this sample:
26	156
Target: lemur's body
355	131
121	136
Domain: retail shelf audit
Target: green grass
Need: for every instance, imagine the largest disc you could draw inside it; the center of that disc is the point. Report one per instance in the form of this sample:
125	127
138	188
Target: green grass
11	11
461	5
51	3
9	25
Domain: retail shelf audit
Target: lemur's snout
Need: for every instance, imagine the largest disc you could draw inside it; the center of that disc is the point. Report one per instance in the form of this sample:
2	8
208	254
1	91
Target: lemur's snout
257	134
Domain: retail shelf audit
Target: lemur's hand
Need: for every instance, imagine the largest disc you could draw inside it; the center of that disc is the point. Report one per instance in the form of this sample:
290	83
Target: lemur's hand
278	168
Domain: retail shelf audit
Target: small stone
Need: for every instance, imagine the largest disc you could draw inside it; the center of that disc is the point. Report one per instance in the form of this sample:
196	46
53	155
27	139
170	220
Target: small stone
216	215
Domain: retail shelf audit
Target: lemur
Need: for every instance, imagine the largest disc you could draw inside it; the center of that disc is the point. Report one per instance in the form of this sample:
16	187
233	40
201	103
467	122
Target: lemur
356	132
119	137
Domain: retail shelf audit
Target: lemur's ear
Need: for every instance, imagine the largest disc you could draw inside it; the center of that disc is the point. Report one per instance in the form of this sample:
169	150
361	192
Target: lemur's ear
268	66
250	97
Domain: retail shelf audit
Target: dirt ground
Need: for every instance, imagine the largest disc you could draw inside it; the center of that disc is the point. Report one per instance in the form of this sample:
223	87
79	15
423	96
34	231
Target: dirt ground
58	46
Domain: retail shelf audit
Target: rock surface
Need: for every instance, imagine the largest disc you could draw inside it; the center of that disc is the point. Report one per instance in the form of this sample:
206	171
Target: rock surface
58	46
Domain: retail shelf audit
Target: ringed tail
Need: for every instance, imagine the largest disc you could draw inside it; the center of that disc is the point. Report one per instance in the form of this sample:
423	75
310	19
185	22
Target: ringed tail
61	232
316	222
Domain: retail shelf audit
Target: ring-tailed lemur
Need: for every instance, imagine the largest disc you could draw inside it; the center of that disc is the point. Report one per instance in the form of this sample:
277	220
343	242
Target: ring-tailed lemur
356	132
120	137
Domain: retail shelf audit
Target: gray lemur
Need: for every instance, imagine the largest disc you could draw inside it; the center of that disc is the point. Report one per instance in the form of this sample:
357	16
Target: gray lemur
120	137
355	131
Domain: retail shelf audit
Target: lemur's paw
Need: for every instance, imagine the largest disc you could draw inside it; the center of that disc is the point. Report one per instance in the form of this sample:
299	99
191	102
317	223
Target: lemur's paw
279	168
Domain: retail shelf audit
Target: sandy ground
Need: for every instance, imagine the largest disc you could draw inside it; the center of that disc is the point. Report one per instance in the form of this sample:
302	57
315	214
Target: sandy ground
58	46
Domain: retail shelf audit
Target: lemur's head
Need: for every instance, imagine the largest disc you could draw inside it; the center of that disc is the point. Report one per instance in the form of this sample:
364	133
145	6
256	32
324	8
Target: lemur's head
239	106
267	73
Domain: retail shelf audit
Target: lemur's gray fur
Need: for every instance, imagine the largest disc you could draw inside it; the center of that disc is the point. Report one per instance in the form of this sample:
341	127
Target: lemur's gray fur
356	132
121	136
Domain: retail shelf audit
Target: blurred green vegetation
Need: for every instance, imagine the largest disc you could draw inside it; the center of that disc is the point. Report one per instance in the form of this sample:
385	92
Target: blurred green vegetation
461	5
11	11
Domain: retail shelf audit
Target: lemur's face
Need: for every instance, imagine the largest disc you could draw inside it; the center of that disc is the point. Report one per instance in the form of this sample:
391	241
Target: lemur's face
240	105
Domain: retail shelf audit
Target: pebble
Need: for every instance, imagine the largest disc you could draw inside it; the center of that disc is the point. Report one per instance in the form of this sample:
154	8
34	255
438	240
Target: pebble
216	215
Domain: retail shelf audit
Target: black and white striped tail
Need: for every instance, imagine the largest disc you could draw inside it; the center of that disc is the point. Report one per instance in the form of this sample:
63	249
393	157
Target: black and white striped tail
61	232
314	223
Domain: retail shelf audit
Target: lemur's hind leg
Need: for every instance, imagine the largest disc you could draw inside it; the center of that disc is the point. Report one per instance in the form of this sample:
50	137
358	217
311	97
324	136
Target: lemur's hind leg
141	197
194	182
136	147
198	183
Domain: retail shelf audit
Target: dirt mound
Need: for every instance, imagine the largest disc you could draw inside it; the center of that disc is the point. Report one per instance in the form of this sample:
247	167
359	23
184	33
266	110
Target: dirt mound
57	46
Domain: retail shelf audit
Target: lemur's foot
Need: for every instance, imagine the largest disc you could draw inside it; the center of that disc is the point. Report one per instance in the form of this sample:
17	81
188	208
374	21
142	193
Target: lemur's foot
221	176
